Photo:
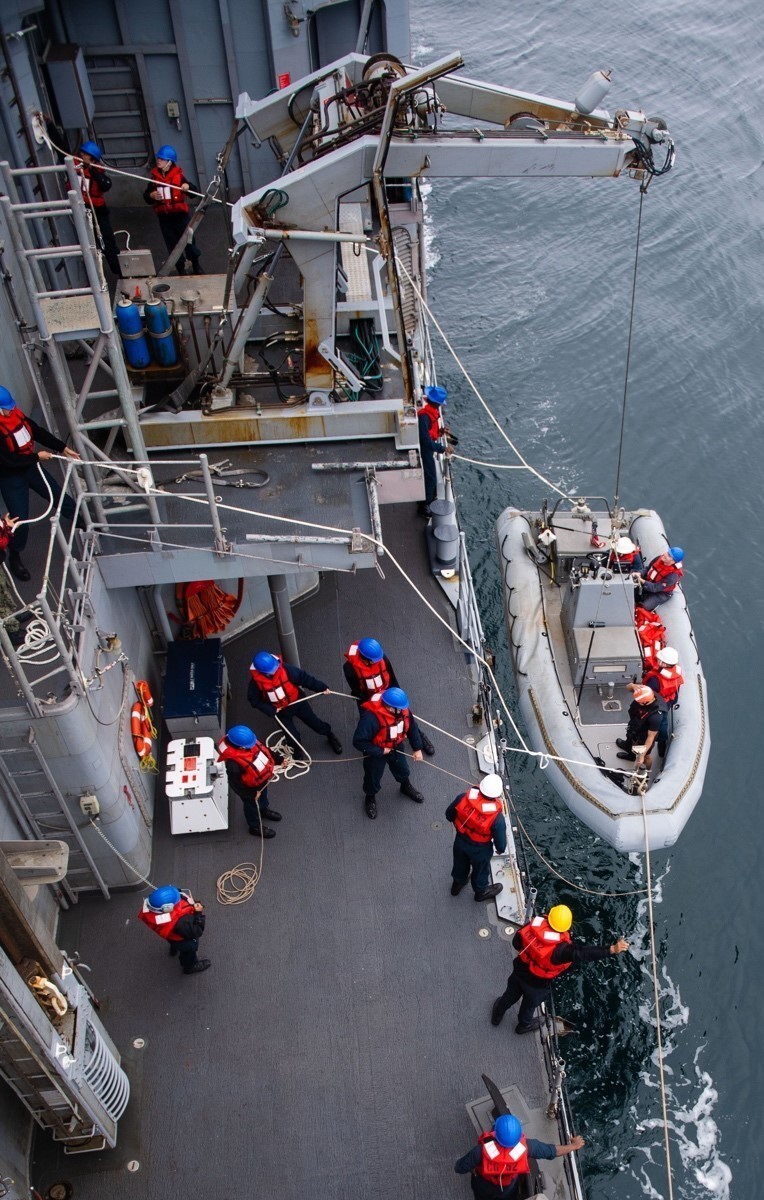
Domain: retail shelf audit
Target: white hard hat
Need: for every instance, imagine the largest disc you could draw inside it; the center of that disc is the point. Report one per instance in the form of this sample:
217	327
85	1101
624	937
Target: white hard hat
491	786
624	545
668	655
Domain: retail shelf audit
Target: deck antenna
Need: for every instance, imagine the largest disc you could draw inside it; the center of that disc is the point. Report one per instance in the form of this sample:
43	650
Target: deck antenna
642	191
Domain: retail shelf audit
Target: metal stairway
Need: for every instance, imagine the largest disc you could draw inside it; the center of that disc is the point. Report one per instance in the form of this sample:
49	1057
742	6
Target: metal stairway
42	812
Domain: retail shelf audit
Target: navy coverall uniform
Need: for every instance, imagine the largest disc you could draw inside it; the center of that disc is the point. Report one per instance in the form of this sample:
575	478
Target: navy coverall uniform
374	758
532	989
483	1189
427	448
300	710
20	474
254	801
652	595
190	929
476	856
644	719
361	693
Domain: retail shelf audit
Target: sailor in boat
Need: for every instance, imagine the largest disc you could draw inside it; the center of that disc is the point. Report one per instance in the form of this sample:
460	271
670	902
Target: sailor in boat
368	670
660	580
646	716
500	1159
665	678
625	557
545	949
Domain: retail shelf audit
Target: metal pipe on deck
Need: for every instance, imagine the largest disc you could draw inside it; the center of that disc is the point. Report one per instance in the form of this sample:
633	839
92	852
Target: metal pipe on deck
248	318
282	611
221	545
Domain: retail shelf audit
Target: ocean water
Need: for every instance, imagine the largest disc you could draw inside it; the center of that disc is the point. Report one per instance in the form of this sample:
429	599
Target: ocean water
531	280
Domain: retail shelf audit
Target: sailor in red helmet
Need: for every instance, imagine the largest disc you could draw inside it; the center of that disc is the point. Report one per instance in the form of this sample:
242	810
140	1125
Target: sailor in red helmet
385	724
544	950
275	687
501	1159
661	579
95	183
167	195
20	473
665	678
646	714
368	670
178	919
250	765
478	816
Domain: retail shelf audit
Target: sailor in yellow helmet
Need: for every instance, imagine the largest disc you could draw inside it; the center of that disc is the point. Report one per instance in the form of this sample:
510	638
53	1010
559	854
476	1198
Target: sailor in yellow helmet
544	950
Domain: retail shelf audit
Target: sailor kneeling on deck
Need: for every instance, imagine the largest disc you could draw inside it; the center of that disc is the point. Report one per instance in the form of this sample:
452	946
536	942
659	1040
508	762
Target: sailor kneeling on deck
250	766
478	817
545	949
647	712
500	1158
386	721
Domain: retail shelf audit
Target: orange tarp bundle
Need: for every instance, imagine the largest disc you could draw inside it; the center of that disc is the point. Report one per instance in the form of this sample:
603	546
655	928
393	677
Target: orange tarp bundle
205	608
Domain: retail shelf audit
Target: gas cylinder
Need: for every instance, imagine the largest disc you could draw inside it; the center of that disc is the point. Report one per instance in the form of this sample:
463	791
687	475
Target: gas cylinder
133	335
160	333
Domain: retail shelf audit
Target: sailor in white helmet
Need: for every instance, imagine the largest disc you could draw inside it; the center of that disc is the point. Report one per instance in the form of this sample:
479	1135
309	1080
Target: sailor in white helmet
665	677
625	556
478	816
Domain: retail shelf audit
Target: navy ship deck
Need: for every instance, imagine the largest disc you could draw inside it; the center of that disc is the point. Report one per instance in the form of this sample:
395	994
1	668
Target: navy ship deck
331	1049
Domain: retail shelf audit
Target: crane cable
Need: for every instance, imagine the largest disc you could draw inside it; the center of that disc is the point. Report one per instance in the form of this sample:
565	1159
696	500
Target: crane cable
642	192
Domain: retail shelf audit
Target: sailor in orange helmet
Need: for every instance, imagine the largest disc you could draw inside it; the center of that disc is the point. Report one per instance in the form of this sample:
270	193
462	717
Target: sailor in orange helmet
646	713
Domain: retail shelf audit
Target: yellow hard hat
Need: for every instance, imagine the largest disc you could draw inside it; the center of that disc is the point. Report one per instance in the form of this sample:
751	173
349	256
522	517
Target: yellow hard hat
560	918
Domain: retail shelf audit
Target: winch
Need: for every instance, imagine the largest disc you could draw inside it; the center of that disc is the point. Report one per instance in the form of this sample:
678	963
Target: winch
196	787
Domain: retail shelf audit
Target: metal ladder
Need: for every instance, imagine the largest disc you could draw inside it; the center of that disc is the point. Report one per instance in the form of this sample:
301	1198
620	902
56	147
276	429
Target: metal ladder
41	809
38	1089
119	121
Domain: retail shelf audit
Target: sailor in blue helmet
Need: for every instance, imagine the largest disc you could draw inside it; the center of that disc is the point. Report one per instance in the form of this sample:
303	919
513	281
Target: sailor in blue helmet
95	183
21	472
500	1160
250	765
167	195
179	920
386	721
368	670
275	688
433	439
659	582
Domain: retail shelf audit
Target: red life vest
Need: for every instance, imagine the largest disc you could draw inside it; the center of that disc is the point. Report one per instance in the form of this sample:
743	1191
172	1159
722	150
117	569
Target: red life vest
257	762
435	427
278	687
16	432
499	1164
374	677
164	924
539	943
651	632
475	815
659	570
669	680
621	562
172	201
393	726
91	187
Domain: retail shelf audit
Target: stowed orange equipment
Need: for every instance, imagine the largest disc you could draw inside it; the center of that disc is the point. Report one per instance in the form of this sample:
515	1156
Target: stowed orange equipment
651	632
205	609
142	727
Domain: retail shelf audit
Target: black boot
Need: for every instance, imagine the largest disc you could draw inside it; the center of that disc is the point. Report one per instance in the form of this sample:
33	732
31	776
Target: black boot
334	742
370	805
427	745
262	833
196	268
201	964
409	790
16	566
457	887
490	892
497	1012
270	814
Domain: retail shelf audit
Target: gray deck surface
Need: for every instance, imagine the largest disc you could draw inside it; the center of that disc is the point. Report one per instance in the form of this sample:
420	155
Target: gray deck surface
332	1047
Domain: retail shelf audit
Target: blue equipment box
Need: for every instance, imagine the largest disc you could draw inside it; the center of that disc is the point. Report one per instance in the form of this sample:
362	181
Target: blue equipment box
195	687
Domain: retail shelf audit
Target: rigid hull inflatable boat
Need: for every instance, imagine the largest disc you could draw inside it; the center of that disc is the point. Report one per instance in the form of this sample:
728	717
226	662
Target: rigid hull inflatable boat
575	647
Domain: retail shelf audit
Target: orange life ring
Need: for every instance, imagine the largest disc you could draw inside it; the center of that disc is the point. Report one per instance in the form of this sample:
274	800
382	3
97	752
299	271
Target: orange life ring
141	725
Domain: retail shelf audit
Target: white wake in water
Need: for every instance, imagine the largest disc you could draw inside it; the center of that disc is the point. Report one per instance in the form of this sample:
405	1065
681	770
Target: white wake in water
690	1097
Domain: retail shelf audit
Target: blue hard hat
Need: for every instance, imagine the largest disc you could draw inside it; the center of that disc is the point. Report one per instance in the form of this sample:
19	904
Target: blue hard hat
507	1131
265	663
91	148
241	736
168	152
676	552
6	399
371	650
395	698
163	899
436	395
